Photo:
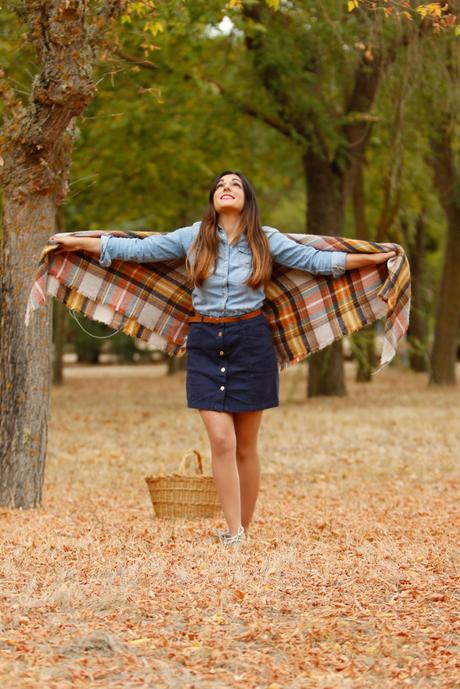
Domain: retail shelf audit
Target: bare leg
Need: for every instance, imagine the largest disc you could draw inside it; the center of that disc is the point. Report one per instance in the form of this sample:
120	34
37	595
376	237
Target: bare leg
247	426
221	432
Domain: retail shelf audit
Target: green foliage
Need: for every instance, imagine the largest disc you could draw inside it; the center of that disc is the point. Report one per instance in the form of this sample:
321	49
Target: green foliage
153	138
175	89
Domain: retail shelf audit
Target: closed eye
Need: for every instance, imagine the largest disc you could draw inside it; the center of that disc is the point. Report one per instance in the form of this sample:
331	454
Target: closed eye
221	184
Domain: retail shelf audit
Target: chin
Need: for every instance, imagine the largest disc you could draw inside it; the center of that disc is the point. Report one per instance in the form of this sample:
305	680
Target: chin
229	207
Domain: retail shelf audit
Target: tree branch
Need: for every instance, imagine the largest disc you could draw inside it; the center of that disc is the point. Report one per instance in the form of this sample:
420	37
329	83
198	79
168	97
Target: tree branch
269	74
250	110
37	139
145	64
245	108
442	162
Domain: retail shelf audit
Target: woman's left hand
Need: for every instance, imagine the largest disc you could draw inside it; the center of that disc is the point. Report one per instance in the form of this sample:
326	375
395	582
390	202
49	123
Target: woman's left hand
363	260
382	257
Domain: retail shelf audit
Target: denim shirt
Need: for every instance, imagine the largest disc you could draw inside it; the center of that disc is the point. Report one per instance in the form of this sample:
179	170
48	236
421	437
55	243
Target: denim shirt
223	293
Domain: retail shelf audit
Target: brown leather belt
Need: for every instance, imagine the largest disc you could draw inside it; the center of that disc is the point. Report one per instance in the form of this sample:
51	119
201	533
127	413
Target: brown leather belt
224	319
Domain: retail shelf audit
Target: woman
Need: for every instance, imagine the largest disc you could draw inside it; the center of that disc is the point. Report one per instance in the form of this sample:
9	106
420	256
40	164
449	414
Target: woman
232	372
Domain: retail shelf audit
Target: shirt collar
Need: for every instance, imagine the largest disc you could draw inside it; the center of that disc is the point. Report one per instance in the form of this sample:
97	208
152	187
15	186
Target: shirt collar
242	240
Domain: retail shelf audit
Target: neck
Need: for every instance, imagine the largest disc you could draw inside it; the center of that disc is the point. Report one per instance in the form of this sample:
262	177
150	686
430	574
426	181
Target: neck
229	223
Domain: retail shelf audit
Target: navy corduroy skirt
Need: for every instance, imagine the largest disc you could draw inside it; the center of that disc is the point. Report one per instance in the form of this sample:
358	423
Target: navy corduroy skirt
232	367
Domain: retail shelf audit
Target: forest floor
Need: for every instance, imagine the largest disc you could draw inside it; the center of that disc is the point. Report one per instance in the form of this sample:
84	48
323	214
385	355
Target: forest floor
350	579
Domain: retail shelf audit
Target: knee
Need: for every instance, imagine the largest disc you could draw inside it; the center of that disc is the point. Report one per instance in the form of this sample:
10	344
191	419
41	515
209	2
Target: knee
222	444
246	454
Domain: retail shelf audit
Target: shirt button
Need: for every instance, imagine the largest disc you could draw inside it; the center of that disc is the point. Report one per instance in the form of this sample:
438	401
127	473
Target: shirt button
223	369
221	352
222	387
220	333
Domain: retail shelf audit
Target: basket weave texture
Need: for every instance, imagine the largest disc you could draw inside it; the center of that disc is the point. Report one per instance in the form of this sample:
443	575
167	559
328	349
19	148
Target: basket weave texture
184	495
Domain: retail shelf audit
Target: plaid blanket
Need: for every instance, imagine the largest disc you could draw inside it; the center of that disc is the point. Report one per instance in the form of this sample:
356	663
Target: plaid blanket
152	301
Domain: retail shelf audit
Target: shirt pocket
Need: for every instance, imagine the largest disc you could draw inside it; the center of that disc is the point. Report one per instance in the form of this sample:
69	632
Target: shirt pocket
241	265
244	256
245	250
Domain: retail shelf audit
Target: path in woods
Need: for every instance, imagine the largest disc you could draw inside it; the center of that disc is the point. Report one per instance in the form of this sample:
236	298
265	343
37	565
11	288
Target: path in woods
351	578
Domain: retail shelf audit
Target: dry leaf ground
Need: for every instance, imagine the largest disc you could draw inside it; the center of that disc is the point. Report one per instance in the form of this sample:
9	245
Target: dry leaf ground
350	580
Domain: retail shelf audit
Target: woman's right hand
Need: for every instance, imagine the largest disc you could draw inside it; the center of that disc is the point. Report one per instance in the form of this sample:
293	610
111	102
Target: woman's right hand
65	242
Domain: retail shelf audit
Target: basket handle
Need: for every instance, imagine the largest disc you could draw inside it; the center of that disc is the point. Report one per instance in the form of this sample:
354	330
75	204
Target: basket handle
199	462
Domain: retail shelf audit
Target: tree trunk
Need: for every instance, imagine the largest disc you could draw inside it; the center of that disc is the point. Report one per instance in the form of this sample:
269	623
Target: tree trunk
59	326
326	372
176	364
417	331
36	144
363	342
444	352
364	353
59	337
324	216
25	359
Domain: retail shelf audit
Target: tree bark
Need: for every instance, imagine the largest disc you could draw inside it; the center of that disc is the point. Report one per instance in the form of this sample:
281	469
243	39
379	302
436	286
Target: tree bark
417	331
176	364
364	353
444	351
59	331
324	216
59	327
363	341
330	183
36	150
446	178
25	361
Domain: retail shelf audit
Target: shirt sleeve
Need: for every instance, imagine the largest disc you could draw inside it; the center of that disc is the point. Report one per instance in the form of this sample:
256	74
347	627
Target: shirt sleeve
161	247
295	255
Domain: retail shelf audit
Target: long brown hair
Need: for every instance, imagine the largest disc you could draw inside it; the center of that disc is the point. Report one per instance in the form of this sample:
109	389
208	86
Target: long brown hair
205	245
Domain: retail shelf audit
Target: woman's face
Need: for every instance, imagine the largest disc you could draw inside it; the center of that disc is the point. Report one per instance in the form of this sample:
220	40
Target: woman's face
229	195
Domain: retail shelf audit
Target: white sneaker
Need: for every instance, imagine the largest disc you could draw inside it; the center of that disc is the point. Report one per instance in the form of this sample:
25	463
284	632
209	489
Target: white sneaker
221	534
236	539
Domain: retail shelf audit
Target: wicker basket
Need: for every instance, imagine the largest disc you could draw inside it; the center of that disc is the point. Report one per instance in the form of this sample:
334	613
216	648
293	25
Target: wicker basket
184	495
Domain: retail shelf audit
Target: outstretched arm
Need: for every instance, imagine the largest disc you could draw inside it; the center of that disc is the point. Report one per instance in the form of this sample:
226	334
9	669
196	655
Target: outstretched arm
107	247
363	260
295	255
68	242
